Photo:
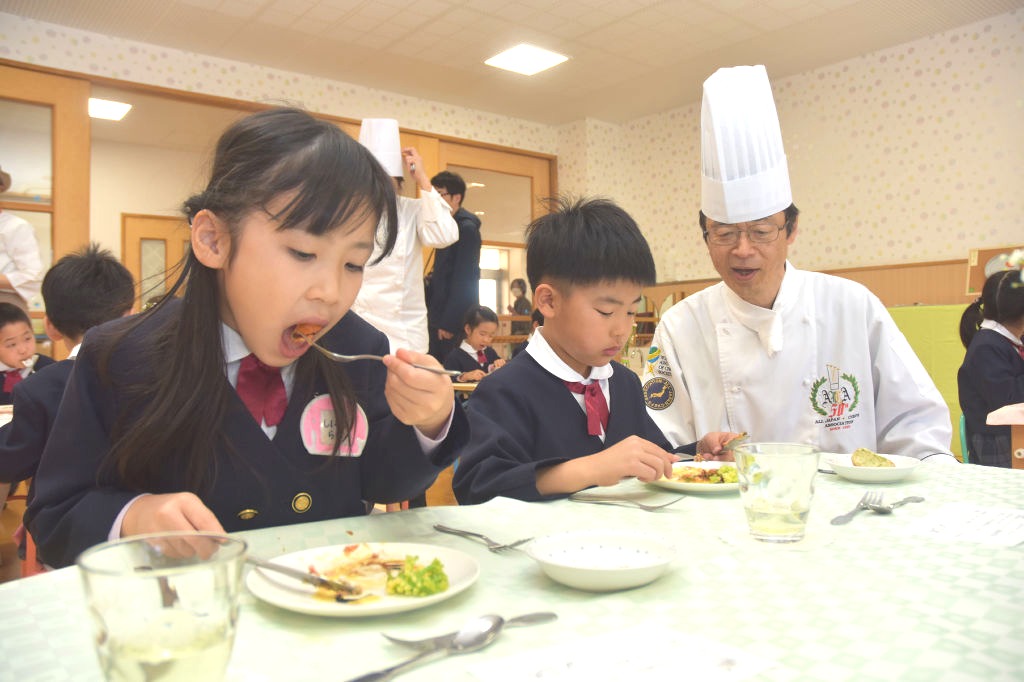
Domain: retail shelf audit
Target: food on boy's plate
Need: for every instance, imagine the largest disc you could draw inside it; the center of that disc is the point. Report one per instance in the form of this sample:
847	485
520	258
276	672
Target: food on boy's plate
379	575
862	457
303	330
687	474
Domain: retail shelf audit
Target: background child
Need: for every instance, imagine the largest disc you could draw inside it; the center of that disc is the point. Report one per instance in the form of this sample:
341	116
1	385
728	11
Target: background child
18	356
474	357
206	412
536	320
992	374
562	416
80	291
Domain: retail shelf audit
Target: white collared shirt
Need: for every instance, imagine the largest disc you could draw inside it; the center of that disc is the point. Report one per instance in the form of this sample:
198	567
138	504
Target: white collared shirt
546	357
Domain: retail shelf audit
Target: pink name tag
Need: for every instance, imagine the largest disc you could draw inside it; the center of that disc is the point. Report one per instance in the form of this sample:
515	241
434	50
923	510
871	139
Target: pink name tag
319	429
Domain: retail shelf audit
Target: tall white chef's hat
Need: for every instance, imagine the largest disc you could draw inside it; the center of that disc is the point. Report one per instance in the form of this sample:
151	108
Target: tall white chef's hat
380	136
744	175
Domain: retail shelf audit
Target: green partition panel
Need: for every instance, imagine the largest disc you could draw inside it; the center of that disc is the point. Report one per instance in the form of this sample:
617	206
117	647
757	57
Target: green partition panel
934	333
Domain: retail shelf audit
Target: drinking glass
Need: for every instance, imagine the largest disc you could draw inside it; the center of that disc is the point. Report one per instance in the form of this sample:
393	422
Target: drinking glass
164	606
776	487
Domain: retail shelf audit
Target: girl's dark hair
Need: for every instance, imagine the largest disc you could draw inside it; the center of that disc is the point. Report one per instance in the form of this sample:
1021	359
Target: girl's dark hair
174	422
587	241
1001	300
476	316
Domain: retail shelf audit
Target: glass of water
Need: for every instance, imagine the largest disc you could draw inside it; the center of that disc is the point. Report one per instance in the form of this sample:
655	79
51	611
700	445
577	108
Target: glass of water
776	487
164	606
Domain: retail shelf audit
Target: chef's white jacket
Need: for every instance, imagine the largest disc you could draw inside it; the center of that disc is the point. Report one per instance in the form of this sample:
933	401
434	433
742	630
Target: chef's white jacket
825	365
391	298
19	255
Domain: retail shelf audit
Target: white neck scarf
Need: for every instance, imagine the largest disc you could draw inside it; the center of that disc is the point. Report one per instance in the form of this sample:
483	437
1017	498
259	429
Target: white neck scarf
765	322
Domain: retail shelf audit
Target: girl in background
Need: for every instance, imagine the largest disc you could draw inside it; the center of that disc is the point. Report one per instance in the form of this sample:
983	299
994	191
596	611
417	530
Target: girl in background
992	374
209	412
474	357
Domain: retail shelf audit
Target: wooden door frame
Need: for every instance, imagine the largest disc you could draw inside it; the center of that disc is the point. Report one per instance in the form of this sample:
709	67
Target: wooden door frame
68	99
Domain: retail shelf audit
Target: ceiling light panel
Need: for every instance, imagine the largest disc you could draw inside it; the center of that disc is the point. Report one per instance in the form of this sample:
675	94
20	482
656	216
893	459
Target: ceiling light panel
526	59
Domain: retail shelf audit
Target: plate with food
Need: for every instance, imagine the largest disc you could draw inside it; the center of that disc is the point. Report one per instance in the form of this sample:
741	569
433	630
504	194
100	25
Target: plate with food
701	477
393	577
865	466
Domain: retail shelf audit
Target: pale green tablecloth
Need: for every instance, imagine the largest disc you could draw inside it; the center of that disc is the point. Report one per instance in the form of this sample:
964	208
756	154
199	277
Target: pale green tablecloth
866	601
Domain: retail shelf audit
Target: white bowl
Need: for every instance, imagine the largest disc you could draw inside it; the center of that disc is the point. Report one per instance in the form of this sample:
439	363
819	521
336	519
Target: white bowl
602	561
904	466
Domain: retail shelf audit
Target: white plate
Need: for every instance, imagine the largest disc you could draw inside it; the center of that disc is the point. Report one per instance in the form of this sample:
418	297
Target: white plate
293	595
843	466
601	561
698	487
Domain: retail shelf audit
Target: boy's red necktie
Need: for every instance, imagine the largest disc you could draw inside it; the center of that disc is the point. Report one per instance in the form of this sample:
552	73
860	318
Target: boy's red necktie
262	390
597	406
12	378
481	357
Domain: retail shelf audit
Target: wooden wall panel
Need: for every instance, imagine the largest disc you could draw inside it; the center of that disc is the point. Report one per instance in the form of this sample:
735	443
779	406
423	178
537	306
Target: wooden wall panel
934	283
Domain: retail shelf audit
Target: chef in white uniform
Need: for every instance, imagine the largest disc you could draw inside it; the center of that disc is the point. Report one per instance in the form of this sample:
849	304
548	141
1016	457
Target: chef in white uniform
391	298
780	353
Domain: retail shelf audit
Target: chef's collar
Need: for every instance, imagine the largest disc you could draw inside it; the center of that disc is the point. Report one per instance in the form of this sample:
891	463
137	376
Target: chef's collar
767	324
546	357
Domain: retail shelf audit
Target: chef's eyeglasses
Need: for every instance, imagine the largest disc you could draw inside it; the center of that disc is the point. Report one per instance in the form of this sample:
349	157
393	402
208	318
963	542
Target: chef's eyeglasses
729	235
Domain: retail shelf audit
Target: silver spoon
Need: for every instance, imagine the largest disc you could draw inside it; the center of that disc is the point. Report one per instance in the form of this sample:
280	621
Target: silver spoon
338	357
446	639
474	635
887	508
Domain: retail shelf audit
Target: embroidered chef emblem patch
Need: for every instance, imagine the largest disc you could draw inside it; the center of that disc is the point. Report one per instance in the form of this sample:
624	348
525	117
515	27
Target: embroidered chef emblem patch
658	393
319	429
835	397
657	363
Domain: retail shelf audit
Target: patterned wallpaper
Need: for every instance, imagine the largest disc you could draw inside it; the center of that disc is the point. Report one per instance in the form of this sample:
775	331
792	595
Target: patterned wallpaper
913	153
38	42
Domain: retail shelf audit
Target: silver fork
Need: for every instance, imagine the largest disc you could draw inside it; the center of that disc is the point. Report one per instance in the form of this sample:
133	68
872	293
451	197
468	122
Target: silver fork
887	508
871	497
622	501
492	545
338	357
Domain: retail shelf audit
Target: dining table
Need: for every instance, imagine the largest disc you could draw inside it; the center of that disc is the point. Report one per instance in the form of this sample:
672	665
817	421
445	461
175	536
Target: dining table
933	591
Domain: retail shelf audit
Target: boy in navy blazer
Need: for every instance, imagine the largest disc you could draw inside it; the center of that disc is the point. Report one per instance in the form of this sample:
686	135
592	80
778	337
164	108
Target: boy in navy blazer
80	291
562	416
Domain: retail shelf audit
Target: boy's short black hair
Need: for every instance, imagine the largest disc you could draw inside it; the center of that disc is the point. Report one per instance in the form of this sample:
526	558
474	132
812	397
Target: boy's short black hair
10	313
86	288
587	241
537	317
450	182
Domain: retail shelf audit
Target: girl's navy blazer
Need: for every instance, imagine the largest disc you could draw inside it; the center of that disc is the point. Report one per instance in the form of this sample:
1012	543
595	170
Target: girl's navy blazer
258	482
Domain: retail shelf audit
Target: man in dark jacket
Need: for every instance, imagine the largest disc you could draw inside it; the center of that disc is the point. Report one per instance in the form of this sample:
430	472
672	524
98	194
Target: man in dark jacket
455	282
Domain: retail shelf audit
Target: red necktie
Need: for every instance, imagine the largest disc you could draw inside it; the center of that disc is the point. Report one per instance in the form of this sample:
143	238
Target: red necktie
12	378
262	390
1020	351
481	357
597	406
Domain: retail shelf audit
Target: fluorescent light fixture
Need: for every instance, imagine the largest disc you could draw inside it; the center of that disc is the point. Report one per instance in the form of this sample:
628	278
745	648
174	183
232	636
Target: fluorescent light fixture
108	109
476	184
526	59
479	213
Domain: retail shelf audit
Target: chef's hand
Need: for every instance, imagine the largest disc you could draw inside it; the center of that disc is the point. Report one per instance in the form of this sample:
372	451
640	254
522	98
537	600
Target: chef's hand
417	397
444	334
709	448
417	172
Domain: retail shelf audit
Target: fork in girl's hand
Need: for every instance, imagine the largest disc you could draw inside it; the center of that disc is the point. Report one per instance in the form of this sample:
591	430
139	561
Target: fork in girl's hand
338	357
